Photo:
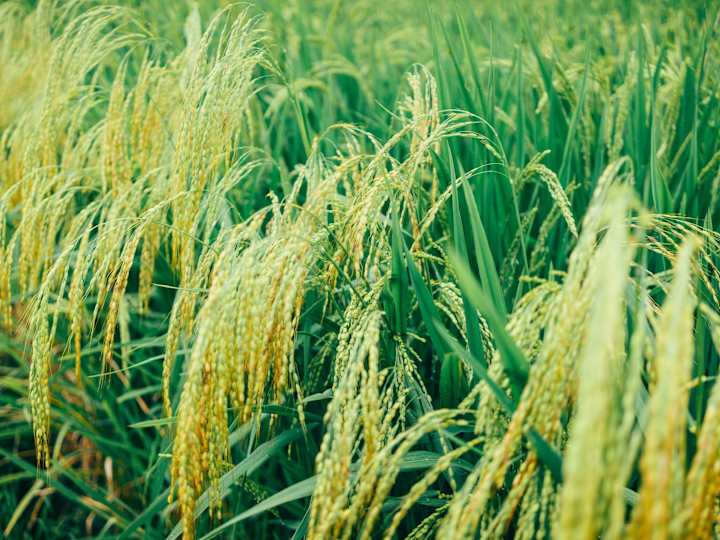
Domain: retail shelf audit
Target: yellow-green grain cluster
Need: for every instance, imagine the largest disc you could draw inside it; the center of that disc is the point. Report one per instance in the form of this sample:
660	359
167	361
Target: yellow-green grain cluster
336	270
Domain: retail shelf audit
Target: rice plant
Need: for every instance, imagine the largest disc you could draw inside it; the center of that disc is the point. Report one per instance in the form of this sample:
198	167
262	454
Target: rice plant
359	270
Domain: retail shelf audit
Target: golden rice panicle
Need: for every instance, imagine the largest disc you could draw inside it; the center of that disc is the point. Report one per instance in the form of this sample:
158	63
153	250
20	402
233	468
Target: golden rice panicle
39	386
422	107
374	443
117	221
120	283
83	44
374	180
23	54
520	490
152	237
375	482
243	352
114	169
43	336
355	396
425	528
442	465
620	109
583	501
658	513
217	86
182	317
6	259
538	256
154	100
75	298
42	350
46	185
531	315
190	294
550	179
701	515
200	444
550	386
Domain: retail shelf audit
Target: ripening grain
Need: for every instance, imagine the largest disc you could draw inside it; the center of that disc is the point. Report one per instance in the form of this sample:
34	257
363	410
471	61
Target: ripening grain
359	270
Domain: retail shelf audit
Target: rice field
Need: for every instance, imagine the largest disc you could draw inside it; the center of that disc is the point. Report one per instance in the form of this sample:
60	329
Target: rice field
294	269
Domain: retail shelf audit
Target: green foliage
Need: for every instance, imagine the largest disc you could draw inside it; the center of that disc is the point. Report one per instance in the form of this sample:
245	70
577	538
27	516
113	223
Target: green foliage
326	269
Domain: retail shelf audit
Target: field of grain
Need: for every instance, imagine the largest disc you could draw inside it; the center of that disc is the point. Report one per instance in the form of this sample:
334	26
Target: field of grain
332	269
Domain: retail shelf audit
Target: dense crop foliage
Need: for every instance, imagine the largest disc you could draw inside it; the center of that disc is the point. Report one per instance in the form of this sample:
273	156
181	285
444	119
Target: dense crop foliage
374	269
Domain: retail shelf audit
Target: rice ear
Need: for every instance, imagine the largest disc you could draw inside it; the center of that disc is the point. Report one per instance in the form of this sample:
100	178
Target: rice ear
585	472
658	513
700	517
